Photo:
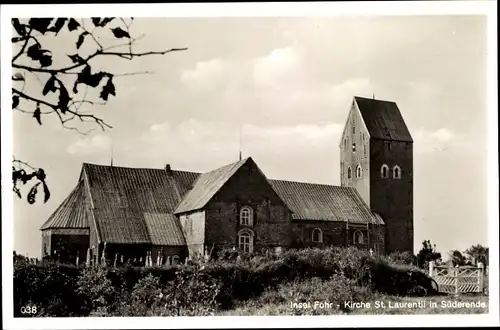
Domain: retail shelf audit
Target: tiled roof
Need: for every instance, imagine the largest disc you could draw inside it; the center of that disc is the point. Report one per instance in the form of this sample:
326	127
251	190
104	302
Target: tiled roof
164	229
137	205
383	119
70	213
207	185
122	196
310	201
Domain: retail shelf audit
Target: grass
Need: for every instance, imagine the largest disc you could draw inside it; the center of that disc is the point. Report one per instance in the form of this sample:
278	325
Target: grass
379	305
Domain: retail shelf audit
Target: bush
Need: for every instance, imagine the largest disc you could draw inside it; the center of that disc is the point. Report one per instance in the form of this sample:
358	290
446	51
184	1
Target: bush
403	258
201	288
49	287
335	291
96	290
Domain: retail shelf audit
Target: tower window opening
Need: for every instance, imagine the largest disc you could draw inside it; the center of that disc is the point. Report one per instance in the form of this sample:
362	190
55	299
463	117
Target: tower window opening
396	172
349	172
359	171
354	147
384	171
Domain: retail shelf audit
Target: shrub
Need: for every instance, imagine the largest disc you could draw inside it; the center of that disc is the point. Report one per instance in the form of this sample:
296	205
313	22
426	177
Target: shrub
96	290
403	258
335	291
47	286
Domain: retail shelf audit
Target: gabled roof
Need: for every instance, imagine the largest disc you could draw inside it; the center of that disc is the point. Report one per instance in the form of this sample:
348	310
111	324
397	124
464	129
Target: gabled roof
383	119
70	213
310	201
207	185
135	205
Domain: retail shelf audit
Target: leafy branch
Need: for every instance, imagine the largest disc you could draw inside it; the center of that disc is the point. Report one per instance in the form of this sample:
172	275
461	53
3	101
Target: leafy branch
60	84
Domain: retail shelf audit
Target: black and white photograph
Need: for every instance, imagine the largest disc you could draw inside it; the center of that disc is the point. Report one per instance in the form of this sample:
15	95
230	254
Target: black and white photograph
250	165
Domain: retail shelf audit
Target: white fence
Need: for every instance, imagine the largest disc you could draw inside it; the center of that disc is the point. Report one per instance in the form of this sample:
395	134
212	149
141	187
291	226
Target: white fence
463	279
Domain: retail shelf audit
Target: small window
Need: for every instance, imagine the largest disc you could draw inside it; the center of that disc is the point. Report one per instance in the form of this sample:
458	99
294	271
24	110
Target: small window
396	172
349	172
353	129
358	237
354	147
246	216
345	143
359	171
384	171
317	235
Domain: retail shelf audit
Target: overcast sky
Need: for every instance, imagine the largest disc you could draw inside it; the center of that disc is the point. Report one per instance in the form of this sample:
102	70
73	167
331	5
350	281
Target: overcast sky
288	84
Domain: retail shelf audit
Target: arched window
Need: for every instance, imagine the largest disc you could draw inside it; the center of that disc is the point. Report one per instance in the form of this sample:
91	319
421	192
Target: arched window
317	235
396	172
245	240
354	147
358	237
246	216
384	171
349	172
359	171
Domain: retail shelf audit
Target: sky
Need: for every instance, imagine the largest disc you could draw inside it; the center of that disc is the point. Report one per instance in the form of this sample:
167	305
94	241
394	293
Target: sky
280	89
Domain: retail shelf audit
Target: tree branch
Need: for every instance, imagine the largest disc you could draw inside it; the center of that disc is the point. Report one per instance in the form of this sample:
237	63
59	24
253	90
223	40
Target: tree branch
81	116
23	163
28	37
121	54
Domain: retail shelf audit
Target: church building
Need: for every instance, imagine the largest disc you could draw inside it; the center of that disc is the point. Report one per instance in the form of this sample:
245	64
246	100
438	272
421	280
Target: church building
170	214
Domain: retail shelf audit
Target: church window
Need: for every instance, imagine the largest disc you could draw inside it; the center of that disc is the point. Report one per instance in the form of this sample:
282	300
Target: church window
359	171
349	172
317	235
358	237
245	240
353	128
354	147
396	172
246	216
384	171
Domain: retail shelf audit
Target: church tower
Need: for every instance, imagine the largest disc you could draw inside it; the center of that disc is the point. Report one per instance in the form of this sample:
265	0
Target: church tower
376	158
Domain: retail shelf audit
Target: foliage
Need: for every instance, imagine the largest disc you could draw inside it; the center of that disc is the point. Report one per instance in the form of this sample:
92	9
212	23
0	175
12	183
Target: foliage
403	258
457	258
478	253
203	288
49	287
426	254
336	290
44	84
96	289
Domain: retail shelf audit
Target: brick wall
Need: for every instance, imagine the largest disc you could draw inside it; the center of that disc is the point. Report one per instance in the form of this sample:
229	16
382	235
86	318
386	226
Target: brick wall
393	198
247	187
334	234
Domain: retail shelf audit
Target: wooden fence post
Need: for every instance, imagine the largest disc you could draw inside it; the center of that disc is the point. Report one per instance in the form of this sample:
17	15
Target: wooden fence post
431	268
480	279
456	279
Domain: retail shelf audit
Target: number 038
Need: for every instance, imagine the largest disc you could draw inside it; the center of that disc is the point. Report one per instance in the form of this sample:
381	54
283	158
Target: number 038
28	310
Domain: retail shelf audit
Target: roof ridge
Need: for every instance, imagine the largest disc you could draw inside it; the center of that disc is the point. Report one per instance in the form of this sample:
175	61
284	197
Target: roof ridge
372	99
311	183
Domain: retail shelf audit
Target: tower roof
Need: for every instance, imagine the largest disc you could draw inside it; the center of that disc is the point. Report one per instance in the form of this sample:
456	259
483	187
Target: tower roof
383	119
